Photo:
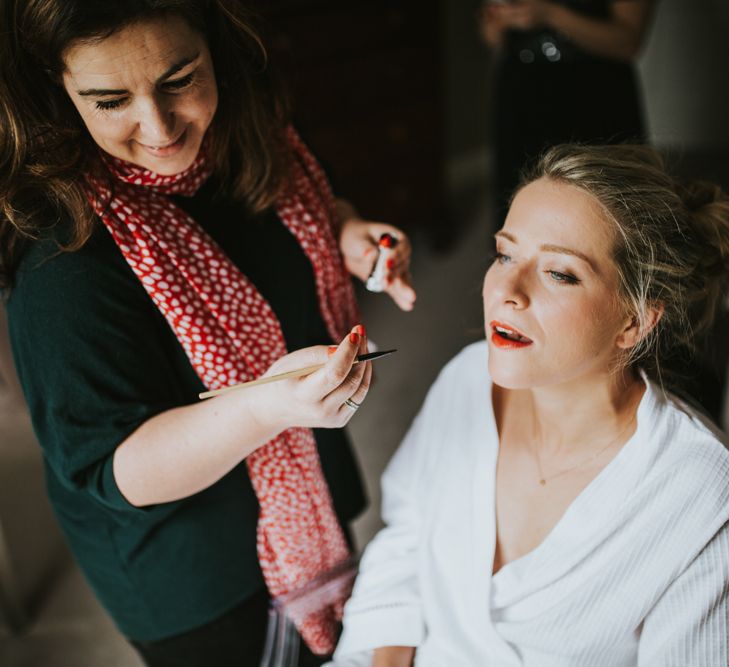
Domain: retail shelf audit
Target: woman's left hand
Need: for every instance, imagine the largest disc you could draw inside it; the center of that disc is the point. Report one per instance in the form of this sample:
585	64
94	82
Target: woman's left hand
358	242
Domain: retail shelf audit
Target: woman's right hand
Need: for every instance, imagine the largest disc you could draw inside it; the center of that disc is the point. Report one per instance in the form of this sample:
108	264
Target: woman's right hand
393	656
316	400
203	441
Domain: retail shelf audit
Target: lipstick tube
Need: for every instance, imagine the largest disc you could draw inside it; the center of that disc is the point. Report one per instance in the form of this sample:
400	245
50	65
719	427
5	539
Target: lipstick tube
377	281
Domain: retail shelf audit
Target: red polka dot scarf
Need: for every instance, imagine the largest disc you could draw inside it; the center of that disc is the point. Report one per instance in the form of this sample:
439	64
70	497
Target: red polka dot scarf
231	335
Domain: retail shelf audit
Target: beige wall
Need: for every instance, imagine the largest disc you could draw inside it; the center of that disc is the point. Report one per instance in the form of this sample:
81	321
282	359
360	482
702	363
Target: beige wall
685	73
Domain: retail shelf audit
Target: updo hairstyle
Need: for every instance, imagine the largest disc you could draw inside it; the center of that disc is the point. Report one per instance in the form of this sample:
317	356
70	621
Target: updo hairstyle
671	241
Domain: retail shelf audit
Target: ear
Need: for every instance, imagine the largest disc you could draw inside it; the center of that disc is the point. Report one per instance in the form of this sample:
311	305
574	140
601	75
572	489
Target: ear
633	333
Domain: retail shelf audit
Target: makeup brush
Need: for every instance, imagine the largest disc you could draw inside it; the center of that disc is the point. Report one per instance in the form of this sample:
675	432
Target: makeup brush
370	356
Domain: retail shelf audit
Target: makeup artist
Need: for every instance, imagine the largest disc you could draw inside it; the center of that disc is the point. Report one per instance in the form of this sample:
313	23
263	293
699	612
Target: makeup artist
164	230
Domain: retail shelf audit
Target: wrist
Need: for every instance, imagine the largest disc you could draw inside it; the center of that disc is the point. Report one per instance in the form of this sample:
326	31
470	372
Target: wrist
346	213
262	414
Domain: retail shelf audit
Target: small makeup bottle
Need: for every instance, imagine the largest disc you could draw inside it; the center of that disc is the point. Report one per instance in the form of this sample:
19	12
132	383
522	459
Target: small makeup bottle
377	282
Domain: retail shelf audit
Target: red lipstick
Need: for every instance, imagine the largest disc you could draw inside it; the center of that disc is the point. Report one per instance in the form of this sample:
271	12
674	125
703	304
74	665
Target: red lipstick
507	337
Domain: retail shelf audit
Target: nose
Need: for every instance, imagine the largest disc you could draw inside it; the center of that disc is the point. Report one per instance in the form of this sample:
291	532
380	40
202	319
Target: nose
156	122
509	286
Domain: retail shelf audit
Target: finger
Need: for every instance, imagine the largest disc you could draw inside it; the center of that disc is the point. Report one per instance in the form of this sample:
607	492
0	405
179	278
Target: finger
347	388
346	411
363	265
397	269
364	386
402	293
402	284
307	356
349	385
339	364
363	346
334	401
401	254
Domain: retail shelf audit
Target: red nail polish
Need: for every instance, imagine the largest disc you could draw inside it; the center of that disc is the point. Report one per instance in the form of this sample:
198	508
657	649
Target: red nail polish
390	263
360	329
388	241
332	349
354	338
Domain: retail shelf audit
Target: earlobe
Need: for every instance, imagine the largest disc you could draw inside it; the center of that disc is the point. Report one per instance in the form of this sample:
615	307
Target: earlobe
634	332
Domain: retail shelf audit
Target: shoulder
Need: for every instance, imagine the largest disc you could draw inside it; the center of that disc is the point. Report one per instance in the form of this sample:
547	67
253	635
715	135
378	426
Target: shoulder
689	456
686	435
465	370
455	401
54	285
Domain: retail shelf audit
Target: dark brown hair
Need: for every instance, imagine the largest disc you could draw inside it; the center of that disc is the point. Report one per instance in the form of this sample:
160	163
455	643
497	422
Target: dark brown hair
671	241
44	147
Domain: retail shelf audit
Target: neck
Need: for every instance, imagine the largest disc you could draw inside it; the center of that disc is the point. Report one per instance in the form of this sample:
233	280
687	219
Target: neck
572	416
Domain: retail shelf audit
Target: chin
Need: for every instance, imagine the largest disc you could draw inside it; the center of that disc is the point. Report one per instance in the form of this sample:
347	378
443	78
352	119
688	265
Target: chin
165	168
511	372
510	378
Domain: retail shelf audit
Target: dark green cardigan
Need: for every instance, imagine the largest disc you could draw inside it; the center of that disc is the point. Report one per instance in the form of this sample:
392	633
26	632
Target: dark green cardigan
96	359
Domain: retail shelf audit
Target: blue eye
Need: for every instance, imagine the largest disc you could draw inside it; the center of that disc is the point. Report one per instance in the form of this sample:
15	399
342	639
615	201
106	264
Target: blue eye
501	258
564	278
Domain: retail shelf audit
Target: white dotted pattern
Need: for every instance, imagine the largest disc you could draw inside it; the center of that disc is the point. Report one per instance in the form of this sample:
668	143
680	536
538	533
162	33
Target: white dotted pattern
231	335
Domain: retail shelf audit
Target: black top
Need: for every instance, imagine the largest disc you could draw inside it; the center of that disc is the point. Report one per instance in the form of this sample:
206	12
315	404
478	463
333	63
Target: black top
546	46
548	91
96	359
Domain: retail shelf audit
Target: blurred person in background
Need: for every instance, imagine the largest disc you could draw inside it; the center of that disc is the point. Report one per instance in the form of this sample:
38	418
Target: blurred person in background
564	72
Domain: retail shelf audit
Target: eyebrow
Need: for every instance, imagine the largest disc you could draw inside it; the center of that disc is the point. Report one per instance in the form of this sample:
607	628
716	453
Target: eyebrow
100	92
551	247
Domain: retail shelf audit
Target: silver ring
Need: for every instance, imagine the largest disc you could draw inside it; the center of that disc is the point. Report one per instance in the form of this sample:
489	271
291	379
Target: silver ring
352	404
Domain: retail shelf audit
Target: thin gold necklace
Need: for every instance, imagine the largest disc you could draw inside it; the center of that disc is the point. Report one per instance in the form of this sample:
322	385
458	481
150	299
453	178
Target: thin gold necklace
543	480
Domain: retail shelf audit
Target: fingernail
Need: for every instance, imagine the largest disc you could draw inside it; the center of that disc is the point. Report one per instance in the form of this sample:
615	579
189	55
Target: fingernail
354	338
390	263
388	241
360	329
332	349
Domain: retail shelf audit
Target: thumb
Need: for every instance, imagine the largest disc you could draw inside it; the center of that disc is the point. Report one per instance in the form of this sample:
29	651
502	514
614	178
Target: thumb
306	356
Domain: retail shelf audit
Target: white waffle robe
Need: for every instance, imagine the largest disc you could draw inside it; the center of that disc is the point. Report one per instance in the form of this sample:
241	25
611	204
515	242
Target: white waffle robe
636	572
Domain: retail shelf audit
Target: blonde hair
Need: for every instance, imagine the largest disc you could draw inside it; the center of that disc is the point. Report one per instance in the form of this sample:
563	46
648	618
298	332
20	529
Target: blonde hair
672	241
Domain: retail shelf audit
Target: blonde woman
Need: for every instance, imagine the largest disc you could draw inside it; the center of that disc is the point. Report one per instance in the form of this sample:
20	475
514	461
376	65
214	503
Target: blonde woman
553	504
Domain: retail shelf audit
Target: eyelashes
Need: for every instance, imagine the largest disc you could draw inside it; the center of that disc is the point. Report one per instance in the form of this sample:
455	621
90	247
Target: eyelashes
565	278
557	276
172	86
178	84
108	105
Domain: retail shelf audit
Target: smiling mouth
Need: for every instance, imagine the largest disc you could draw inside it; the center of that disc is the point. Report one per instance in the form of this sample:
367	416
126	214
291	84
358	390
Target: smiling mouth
167	147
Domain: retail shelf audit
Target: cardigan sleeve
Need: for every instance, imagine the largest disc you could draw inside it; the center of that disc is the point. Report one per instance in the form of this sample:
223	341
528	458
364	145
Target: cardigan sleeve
689	626
88	347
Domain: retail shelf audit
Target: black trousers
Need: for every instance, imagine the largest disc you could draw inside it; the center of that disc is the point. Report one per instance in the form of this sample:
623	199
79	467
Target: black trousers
236	639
